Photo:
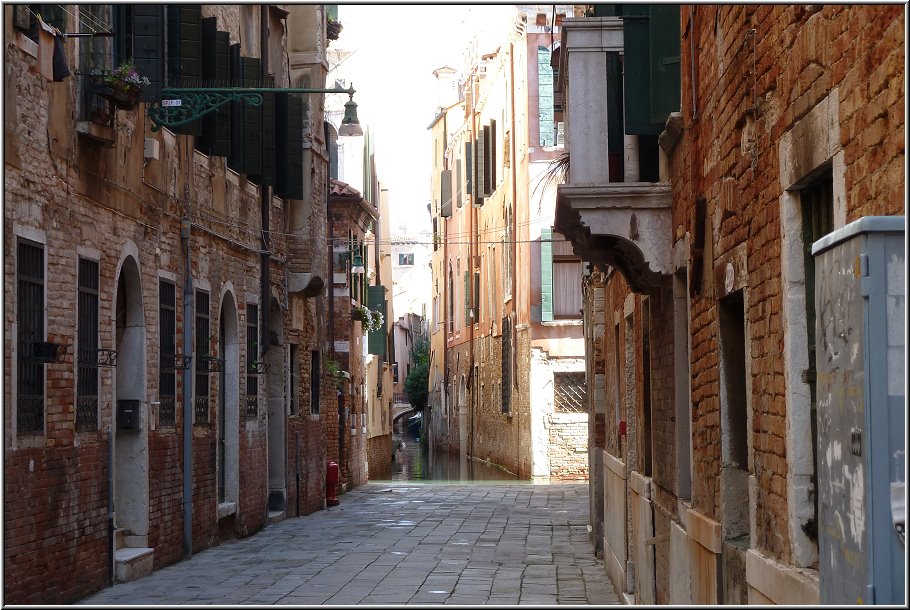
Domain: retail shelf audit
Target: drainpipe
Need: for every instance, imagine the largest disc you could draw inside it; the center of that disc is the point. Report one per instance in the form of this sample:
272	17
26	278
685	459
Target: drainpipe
110	505
265	200
514	170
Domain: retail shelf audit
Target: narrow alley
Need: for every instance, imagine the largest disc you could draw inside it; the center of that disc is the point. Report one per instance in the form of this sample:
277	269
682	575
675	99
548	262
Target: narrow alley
394	543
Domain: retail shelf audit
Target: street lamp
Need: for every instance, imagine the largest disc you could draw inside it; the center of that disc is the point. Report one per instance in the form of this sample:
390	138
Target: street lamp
357	267
180	105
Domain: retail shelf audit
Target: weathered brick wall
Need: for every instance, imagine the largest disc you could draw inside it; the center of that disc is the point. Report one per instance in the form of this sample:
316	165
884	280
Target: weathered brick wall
82	195
568	449
379	456
801	55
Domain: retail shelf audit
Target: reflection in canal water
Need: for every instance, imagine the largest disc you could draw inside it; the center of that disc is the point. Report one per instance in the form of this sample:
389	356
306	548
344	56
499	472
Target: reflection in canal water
414	463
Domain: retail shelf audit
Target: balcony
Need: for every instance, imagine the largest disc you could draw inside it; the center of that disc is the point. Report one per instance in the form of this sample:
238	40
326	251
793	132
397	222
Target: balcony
607	209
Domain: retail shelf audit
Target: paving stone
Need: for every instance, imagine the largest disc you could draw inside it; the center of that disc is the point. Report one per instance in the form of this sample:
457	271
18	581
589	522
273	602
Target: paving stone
433	544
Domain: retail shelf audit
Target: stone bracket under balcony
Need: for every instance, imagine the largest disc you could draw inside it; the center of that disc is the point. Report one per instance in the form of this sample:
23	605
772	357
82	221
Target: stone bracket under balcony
626	225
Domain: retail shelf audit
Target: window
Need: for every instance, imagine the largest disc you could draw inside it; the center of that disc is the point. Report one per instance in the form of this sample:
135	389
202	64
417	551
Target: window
295	379
567	288
87	337
203	338
506	387
545	96
451	312
30	318
817	203
252	361
570	394
25	18
314	382
167	350
406	258
507	255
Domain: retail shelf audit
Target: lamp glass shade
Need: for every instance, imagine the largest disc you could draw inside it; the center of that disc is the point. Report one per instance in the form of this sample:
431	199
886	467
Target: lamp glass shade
357	267
350	125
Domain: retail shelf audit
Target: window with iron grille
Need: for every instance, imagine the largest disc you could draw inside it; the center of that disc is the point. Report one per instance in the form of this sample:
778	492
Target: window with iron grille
87	337
30	318
252	356
570	395
167	350
203	332
506	384
314	382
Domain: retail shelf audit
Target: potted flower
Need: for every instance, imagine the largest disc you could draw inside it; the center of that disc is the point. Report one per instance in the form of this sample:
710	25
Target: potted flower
121	86
332	29
359	312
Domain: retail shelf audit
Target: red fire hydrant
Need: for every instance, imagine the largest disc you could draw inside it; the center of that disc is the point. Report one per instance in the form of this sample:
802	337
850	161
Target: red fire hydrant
331	483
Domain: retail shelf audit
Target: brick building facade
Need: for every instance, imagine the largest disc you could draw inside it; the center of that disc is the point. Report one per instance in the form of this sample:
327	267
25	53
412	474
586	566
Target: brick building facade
699	326
101	211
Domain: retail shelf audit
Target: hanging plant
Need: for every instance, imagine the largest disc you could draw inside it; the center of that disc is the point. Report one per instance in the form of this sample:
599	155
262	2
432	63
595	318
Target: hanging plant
121	86
333	29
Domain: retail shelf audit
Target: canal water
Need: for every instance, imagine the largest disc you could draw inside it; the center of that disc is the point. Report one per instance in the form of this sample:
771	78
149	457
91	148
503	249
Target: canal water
419	463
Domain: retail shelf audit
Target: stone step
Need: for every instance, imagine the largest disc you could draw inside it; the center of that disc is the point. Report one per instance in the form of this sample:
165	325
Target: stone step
275	516
119	535
133	563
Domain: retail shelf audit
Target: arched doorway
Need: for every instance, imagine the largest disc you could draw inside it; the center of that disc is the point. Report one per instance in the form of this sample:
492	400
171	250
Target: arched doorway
228	405
277	422
131	456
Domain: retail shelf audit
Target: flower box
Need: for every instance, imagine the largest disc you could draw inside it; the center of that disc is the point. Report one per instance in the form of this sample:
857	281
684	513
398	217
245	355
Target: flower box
125	98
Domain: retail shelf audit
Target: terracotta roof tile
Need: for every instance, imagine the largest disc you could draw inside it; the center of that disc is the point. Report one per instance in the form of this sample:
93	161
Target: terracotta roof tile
342	189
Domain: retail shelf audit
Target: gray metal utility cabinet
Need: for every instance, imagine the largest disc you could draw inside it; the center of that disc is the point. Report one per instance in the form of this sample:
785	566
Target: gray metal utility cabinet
860	314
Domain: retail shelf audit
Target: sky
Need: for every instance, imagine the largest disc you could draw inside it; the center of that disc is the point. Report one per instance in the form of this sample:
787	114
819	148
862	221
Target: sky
395	50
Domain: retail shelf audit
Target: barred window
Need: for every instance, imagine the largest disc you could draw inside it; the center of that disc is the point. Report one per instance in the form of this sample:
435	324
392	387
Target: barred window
569	393
30	318
87	337
203	334
167	352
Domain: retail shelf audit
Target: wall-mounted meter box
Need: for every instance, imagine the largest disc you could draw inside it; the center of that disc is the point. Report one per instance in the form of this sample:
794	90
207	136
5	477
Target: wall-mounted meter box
861	411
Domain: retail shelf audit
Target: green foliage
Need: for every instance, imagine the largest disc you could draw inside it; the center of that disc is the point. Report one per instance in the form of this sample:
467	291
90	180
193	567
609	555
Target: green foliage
416	386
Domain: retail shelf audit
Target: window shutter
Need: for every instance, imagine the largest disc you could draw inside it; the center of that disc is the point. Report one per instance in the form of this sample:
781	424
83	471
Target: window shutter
445	193
376	339
487	146
650	66
267	112
469	170
477	300
148	47
236	156
479	174
215	135
493	164
665	83
546	275
184	55
252	119
467	298
459	189
289	146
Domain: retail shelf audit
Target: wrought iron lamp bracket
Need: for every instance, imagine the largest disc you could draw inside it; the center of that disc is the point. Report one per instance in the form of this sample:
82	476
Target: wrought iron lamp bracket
180	106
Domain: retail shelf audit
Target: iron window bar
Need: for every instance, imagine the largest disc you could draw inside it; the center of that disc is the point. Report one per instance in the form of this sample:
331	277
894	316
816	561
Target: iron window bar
201	410
44	351
98	357
212	364
176	362
252	407
258	367
182	105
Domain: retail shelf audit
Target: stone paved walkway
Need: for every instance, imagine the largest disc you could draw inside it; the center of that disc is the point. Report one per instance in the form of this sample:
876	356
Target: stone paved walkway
388	543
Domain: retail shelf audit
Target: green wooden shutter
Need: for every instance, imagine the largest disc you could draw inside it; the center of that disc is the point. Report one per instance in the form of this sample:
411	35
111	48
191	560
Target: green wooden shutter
477	299
215	135
493	163
445	193
184	54
236	155
148	47
546	275
469	169
252	120
459	174
267	112
650	66
665	80
289	146
376	339
467	298
479	173
487	161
